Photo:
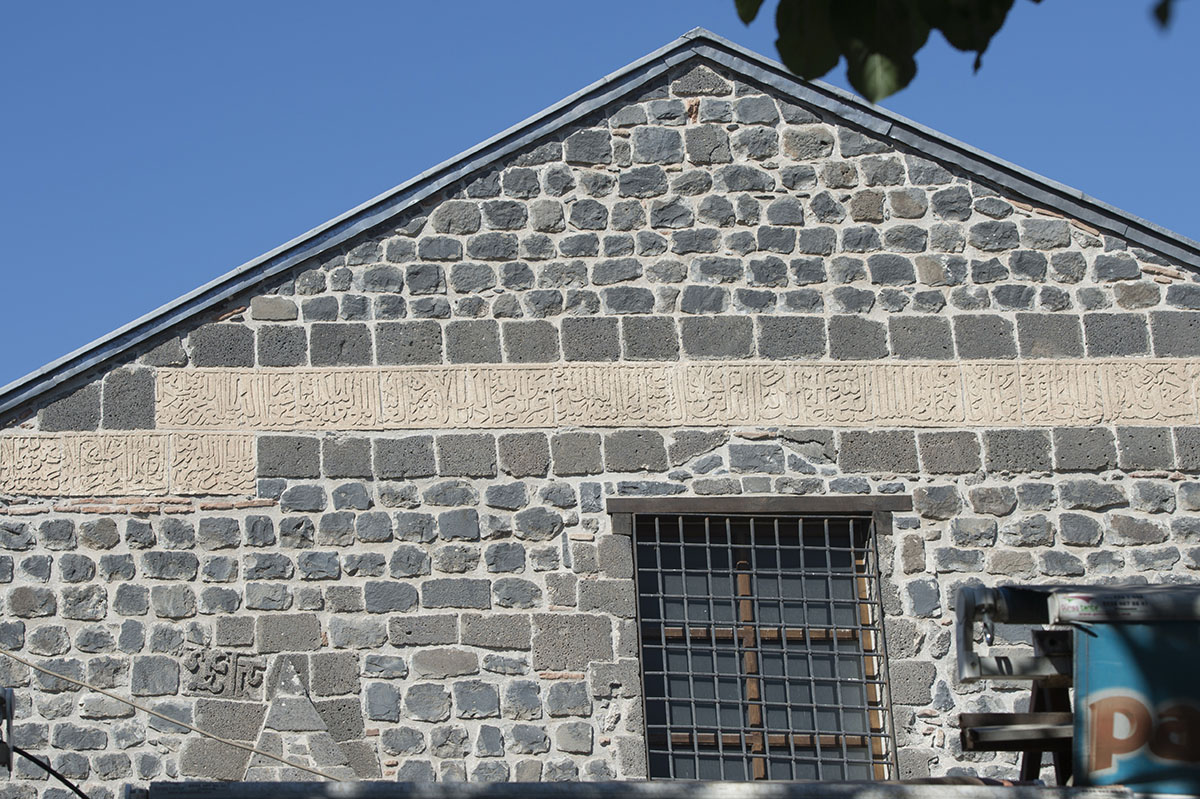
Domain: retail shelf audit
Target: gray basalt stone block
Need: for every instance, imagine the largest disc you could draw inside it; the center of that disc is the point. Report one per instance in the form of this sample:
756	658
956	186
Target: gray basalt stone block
937	502
1118	334
346	457
467	455
222	344
1090	494
1080	530
408	343
569	642
524	454
854	338
456	592
886	451
154	675
171	601
1125	530
1028	531
340	344
427	702
635	450
77	411
404	457
303	498
496	631
1017	450
984	337
531	342
912	682
1175	333
617	597
949	452
424	630
657	145
389	597
628	300
129	399
215	533
993	500
289	456
167	353
921	337
1049	335
718	336
459	525
442	663
569	699
973	532
589	146
288	633
1115	266
282	345
574	737
473	341
513	592
790	337
756	458
240	721
159	565
590	339
527	739
1084	449
576	453
505	557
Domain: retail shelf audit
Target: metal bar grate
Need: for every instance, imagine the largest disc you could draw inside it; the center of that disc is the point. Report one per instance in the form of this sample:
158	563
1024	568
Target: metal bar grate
762	647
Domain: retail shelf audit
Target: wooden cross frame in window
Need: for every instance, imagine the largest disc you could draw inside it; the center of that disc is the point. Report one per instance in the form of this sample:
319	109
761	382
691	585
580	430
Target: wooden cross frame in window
761	639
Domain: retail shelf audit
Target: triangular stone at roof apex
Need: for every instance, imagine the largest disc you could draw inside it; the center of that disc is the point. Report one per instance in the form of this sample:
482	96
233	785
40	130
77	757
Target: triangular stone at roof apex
699	81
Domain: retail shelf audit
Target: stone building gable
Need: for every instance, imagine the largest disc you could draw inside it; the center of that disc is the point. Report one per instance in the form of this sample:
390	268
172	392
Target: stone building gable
704	197
378	480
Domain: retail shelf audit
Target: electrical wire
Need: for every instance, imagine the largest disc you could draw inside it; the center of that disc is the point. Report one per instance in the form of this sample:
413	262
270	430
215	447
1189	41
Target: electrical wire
46	767
164	717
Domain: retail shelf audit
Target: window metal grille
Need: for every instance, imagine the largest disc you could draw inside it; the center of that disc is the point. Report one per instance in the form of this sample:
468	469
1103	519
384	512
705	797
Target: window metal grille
762	647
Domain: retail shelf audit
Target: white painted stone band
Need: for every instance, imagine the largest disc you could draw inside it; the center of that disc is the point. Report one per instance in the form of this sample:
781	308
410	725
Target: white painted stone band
126	464
839	394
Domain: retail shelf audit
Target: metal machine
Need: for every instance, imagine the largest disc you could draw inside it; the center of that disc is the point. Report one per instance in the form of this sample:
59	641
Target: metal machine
1129	652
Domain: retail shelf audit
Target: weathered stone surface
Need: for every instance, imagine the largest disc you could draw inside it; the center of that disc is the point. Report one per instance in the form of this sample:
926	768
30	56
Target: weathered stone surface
288	633
442	663
570	641
427	702
496	631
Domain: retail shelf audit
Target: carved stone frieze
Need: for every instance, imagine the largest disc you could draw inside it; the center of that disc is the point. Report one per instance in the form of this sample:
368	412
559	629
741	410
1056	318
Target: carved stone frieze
1034	393
126	464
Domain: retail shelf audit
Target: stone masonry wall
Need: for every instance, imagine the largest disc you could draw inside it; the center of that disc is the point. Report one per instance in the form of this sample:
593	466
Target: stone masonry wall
452	603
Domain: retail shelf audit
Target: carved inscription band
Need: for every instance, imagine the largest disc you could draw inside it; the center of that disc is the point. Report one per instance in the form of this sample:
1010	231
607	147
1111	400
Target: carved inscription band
126	464
663	395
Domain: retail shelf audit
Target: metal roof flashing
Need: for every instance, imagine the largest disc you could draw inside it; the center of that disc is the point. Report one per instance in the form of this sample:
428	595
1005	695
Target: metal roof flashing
696	43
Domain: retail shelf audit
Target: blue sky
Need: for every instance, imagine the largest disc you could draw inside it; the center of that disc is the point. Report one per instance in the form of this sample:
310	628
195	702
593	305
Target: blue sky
147	147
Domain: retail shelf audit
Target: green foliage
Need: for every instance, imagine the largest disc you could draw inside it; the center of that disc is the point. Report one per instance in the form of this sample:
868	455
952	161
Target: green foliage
879	38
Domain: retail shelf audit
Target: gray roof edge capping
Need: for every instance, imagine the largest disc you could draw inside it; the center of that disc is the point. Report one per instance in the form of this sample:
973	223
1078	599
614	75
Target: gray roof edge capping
697	42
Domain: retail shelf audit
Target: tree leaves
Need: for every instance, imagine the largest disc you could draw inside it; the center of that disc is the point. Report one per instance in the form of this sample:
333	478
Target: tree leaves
880	41
1162	12
968	25
748	9
806	42
878	38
